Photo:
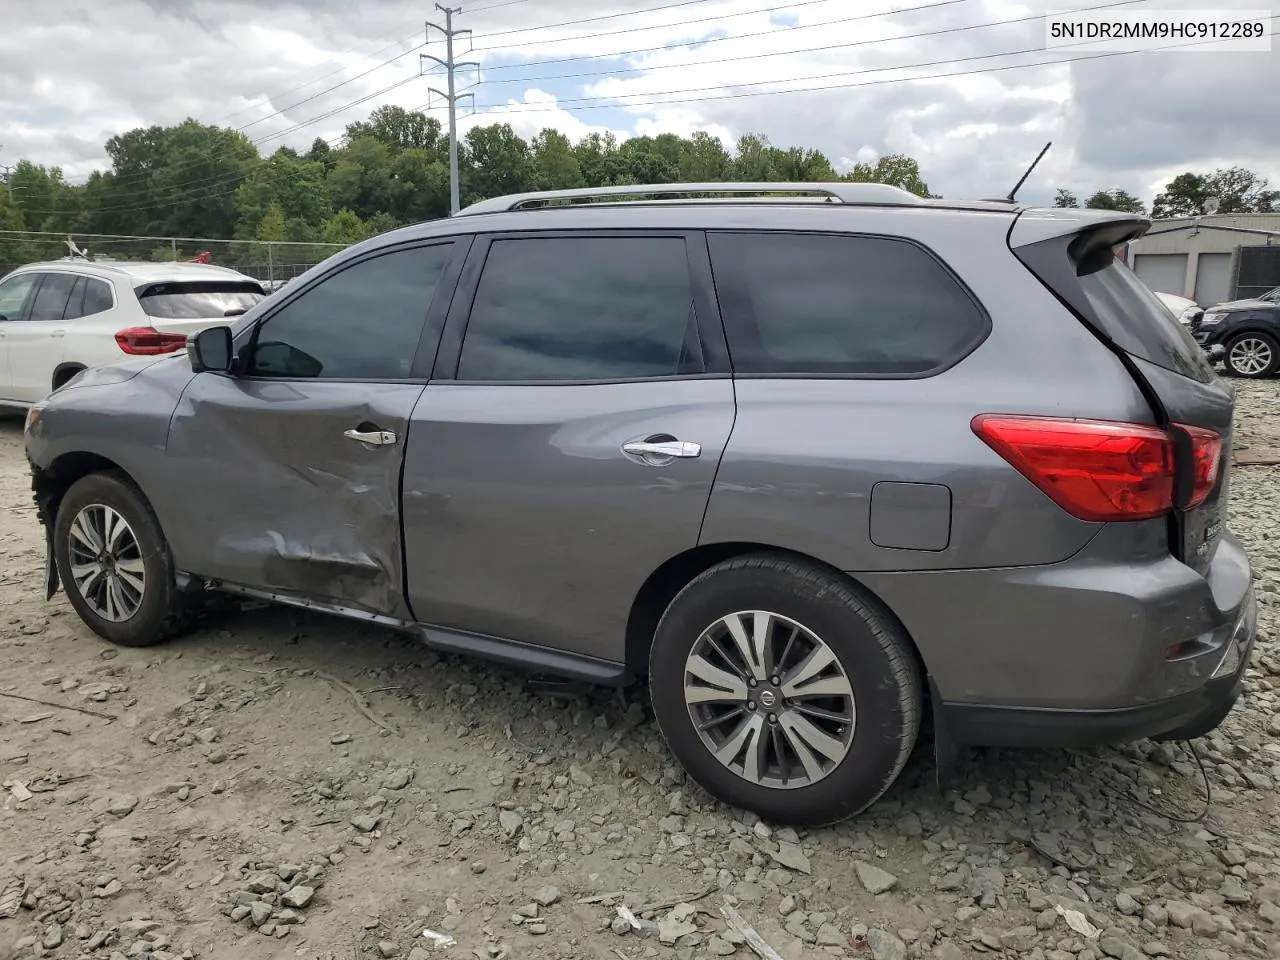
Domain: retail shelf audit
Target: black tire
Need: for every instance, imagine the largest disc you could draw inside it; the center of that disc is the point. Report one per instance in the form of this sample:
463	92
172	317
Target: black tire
1267	340
873	651
163	612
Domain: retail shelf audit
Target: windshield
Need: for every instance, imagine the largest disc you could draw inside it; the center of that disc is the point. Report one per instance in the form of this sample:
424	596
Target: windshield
199	301
1273	295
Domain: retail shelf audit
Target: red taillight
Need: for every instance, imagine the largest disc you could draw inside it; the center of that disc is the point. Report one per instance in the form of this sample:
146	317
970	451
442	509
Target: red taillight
143	341
1206	459
1096	470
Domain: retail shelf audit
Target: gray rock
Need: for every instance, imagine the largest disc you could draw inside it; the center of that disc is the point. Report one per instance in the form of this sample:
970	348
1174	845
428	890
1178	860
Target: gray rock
259	913
263	882
52	936
948	951
365	823
121	805
397	779
717	946
792	857
547	895
298	897
1156	949
829	935
510	822
386	947
1119	949
885	946
619	926
874	879
670	930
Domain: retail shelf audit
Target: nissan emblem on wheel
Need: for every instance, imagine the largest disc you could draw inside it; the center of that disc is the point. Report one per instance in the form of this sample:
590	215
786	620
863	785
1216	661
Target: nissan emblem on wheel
811	461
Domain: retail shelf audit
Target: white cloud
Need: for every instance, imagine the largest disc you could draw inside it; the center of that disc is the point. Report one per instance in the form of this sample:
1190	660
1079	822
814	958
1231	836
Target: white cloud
78	74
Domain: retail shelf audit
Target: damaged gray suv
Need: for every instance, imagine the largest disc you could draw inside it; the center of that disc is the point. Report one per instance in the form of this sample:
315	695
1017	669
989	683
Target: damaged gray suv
816	459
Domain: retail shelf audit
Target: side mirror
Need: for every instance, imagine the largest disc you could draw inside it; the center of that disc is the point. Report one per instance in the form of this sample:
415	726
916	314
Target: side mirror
210	349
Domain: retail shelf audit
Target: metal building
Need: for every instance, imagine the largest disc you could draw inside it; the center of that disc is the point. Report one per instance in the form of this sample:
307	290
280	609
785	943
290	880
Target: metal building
1211	258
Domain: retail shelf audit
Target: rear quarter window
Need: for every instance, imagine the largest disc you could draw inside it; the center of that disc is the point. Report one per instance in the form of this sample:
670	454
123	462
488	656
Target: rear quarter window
840	305
1139	323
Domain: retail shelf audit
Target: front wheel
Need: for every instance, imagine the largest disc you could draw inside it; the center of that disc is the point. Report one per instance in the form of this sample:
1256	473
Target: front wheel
785	690
114	563
1252	355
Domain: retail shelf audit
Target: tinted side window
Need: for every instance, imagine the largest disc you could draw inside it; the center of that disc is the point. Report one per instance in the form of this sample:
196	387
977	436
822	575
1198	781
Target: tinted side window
75	302
13	294
812	304
582	308
97	297
361	323
51	298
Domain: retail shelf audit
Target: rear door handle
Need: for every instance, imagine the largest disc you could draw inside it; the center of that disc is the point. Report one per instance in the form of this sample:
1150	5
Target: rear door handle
58	333
662	449
379	438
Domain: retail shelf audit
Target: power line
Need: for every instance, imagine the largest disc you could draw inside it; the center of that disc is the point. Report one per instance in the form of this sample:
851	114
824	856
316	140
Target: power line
776	8
772	53
506	108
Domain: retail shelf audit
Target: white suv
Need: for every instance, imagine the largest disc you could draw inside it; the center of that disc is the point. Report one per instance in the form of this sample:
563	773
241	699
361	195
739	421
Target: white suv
59	317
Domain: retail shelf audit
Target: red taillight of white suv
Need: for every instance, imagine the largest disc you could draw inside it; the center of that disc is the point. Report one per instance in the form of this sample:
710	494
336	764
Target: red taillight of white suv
1102	470
146	342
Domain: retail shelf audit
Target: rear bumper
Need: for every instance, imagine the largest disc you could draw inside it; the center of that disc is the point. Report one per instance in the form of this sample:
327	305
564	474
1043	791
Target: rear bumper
1120	642
1184	717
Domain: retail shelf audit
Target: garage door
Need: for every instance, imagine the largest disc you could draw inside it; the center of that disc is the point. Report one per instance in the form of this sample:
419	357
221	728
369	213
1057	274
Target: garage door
1162	272
1213	278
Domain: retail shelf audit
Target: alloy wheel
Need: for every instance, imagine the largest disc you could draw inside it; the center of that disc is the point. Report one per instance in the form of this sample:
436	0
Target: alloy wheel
106	563
770	699
1249	356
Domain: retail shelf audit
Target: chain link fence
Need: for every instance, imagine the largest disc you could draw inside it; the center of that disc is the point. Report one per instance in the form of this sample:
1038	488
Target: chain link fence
271	262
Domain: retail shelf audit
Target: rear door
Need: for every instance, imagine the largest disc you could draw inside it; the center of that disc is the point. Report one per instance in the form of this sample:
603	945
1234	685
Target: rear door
566	446
1075	259
292	466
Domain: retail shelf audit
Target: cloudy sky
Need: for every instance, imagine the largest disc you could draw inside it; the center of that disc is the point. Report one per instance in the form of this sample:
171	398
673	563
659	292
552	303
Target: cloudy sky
963	85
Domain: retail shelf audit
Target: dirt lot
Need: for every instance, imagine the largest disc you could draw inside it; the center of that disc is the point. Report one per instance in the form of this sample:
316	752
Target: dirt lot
226	797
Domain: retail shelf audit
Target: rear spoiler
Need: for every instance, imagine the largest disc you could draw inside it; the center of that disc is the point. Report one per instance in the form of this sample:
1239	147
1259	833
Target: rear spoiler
1110	227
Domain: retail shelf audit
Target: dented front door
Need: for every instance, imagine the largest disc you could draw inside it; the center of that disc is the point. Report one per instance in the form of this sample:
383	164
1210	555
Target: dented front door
298	485
293	464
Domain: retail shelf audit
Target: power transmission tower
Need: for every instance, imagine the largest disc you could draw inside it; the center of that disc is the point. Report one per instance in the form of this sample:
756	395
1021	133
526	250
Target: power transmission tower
8	175
452	96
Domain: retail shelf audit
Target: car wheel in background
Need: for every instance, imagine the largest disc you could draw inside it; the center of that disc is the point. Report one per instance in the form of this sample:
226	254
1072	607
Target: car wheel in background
785	690
1253	355
114	563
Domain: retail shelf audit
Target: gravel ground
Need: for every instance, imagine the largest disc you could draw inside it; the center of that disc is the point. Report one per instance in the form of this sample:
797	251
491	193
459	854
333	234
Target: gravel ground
281	785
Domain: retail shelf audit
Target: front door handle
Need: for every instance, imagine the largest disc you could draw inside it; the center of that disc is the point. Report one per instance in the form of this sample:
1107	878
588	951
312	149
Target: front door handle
379	438
58	333
662	449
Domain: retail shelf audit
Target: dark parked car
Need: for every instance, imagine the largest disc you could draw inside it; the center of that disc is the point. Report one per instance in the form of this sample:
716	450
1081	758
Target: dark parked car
811	467
1248	333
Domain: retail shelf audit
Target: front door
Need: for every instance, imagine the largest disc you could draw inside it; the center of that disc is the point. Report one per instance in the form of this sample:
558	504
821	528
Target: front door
15	293
293	465
567	444
37	342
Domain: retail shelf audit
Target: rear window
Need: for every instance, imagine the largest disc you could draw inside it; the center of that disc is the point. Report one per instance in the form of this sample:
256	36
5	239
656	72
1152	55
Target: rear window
198	301
832	305
1133	316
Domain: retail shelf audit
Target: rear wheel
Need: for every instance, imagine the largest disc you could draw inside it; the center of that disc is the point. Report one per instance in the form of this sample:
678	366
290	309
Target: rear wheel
1253	355
114	563
783	689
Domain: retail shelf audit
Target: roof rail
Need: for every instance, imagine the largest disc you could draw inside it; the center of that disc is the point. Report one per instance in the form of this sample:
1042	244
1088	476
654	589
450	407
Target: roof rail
843	192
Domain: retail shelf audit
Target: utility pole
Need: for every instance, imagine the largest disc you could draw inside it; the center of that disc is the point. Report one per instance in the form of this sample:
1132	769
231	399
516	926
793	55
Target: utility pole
8	176
452	96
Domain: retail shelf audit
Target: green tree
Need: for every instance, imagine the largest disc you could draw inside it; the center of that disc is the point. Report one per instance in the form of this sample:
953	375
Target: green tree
361	178
419	188
1065	198
344	227
498	162
894	169
1115	199
598	159
703	159
175	181
555	165
400	129
1237	190
295	186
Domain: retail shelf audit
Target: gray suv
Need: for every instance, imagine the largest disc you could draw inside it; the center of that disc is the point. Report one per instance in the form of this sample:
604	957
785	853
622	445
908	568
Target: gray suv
818	460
